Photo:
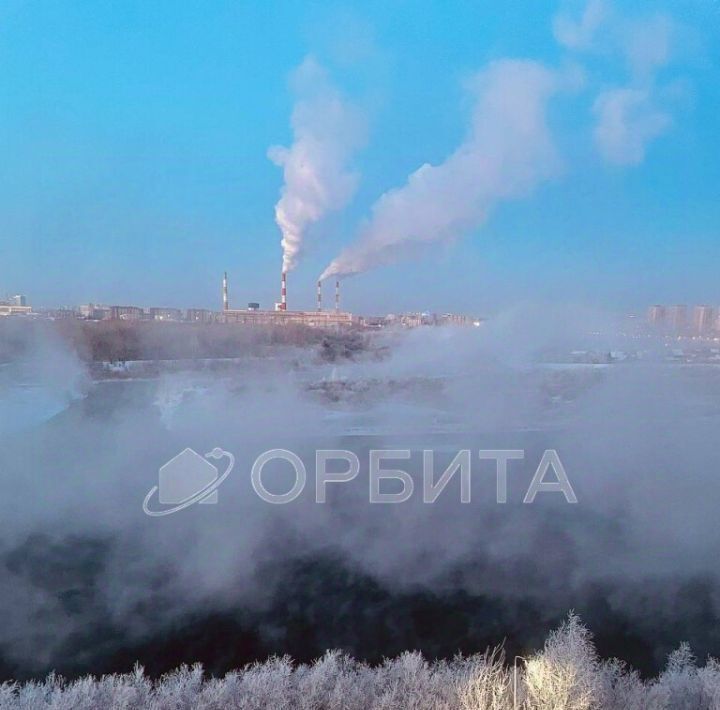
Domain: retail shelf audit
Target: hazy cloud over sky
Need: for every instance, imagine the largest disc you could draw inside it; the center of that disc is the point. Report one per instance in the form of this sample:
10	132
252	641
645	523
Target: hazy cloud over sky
629	117
579	34
627	122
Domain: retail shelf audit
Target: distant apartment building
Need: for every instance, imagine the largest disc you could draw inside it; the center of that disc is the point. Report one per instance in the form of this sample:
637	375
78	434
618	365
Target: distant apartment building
457	319
199	315
372	321
657	316
93	311
406	320
677	319
59	313
165	314
683	320
415	320
704	320
126	313
313	319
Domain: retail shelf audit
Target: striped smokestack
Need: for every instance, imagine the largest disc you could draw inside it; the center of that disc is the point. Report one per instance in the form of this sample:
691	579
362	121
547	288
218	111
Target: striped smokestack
226	303
337	296
319	296
283	292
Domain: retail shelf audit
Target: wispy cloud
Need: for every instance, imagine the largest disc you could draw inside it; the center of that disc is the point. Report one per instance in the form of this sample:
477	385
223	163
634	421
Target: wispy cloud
629	117
580	33
627	122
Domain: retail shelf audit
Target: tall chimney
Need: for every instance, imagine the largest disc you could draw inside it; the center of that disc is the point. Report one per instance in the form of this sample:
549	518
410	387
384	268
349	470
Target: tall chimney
226	303
283	292
319	296
337	296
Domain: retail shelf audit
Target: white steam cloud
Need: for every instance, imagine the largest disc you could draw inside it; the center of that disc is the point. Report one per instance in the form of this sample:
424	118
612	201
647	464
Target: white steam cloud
508	151
326	133
638	439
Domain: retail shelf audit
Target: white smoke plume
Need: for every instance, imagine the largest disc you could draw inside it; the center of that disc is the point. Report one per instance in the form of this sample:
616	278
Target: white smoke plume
327	131
508	150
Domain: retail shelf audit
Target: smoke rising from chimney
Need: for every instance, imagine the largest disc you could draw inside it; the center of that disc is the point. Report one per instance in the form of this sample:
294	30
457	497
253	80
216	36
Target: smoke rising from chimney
327	131
507	152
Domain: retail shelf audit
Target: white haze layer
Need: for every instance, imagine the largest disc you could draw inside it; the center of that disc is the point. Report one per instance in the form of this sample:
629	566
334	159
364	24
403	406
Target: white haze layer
327	131
638	441
508	150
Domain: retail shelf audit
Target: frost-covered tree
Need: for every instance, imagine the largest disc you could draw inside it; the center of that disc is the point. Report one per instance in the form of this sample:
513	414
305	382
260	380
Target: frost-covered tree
566	674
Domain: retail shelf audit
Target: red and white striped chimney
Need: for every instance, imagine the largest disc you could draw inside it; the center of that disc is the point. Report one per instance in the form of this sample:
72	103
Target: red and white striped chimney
337	296
226	302
283	292
319	296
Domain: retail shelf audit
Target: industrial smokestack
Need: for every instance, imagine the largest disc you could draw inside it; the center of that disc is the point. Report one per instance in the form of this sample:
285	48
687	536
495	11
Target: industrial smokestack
319	296
226	303
337	296
283	292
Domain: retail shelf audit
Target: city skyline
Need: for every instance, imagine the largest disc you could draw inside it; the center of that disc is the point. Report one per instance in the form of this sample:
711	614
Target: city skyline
682	320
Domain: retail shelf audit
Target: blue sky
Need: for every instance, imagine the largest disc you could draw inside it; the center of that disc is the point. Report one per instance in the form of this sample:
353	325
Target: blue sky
134	140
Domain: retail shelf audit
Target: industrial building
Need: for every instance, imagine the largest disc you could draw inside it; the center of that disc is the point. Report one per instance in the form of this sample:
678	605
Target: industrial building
254	315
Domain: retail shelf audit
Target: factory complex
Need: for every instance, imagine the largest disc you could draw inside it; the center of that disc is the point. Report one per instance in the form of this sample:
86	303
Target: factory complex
252	315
